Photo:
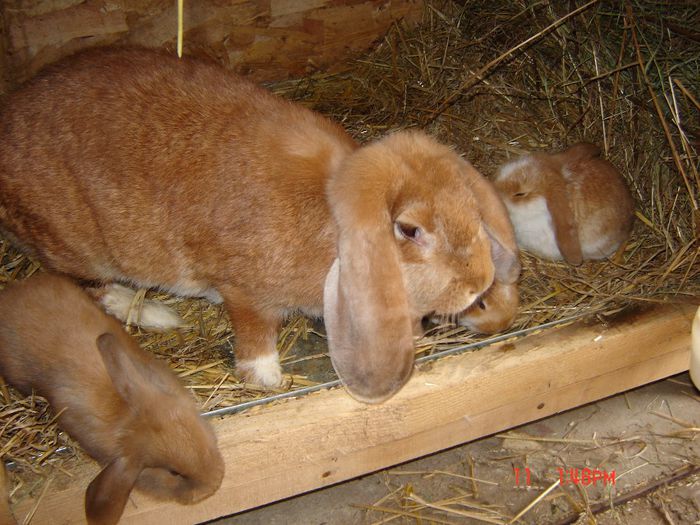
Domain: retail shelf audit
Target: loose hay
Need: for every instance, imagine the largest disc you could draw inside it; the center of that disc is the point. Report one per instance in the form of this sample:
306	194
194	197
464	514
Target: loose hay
496	79
546	494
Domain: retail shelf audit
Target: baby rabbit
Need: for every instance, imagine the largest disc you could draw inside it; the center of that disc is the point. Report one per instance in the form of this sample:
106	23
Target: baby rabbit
572	205
494	311
134	166
127	410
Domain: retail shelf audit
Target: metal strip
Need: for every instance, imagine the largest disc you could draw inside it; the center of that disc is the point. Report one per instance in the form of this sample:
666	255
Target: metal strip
331	384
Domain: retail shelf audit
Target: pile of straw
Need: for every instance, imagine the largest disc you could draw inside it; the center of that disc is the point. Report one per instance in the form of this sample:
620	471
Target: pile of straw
495	79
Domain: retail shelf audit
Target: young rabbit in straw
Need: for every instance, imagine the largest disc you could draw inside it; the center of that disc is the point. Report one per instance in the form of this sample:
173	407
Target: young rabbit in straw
494	311
572	205
127	410
134	166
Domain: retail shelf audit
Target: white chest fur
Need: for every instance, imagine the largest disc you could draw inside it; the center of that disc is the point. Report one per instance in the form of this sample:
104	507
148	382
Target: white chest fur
533	228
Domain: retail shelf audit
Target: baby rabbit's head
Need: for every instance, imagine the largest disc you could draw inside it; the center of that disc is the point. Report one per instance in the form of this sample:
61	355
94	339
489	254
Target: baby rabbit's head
166	449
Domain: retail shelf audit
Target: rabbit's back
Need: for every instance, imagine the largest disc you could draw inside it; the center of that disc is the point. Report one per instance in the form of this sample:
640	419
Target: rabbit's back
135	165
48	345
602	205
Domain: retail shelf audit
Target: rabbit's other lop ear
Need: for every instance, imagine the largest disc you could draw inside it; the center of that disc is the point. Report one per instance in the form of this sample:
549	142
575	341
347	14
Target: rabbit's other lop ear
560	209
366	306
504	248
107	494
505	258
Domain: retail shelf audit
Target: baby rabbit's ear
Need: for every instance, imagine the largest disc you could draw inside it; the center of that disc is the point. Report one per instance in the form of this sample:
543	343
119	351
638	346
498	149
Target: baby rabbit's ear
107	494
365	305
560	208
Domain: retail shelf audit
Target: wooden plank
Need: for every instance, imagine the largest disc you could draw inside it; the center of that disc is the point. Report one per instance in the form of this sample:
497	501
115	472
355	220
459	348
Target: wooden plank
306	34
81	21
277	451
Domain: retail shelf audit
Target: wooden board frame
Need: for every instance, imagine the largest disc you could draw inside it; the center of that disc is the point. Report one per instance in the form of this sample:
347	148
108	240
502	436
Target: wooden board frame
276	451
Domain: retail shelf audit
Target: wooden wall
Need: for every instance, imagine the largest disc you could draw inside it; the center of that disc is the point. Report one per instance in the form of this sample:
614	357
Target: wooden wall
4	69
267	39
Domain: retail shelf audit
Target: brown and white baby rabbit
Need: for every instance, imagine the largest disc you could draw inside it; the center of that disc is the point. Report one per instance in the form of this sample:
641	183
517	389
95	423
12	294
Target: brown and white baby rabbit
573	205
126	409
134	166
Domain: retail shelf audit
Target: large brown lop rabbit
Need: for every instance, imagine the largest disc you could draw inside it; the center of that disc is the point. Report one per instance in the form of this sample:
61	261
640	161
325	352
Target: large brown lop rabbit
134	166
127	410
571	205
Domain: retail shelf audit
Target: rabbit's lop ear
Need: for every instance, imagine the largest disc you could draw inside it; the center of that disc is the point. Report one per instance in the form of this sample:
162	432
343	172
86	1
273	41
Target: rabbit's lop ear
366	306
560	208
505	257
504	248
131	379
107	494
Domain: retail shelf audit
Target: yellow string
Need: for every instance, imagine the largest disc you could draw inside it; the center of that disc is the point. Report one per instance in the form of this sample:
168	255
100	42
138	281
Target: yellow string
180	6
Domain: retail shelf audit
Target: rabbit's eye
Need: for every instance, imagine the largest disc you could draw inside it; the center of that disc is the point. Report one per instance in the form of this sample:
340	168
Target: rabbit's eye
174	473
520	194
408	231
481	304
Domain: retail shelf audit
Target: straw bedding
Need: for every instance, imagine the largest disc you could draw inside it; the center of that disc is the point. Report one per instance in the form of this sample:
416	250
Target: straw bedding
495	79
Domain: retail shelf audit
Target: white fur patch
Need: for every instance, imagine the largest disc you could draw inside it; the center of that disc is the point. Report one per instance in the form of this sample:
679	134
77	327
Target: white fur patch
568	175
533	227
189	288
264	370
509	168
213	296
119	301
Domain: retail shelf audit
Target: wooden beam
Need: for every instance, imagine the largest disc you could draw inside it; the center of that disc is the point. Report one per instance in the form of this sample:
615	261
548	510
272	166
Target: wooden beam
265	39
277	451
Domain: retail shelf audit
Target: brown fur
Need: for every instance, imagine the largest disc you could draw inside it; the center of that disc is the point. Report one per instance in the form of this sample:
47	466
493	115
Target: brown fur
127	410
497	307
497	222
591	208
130	165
